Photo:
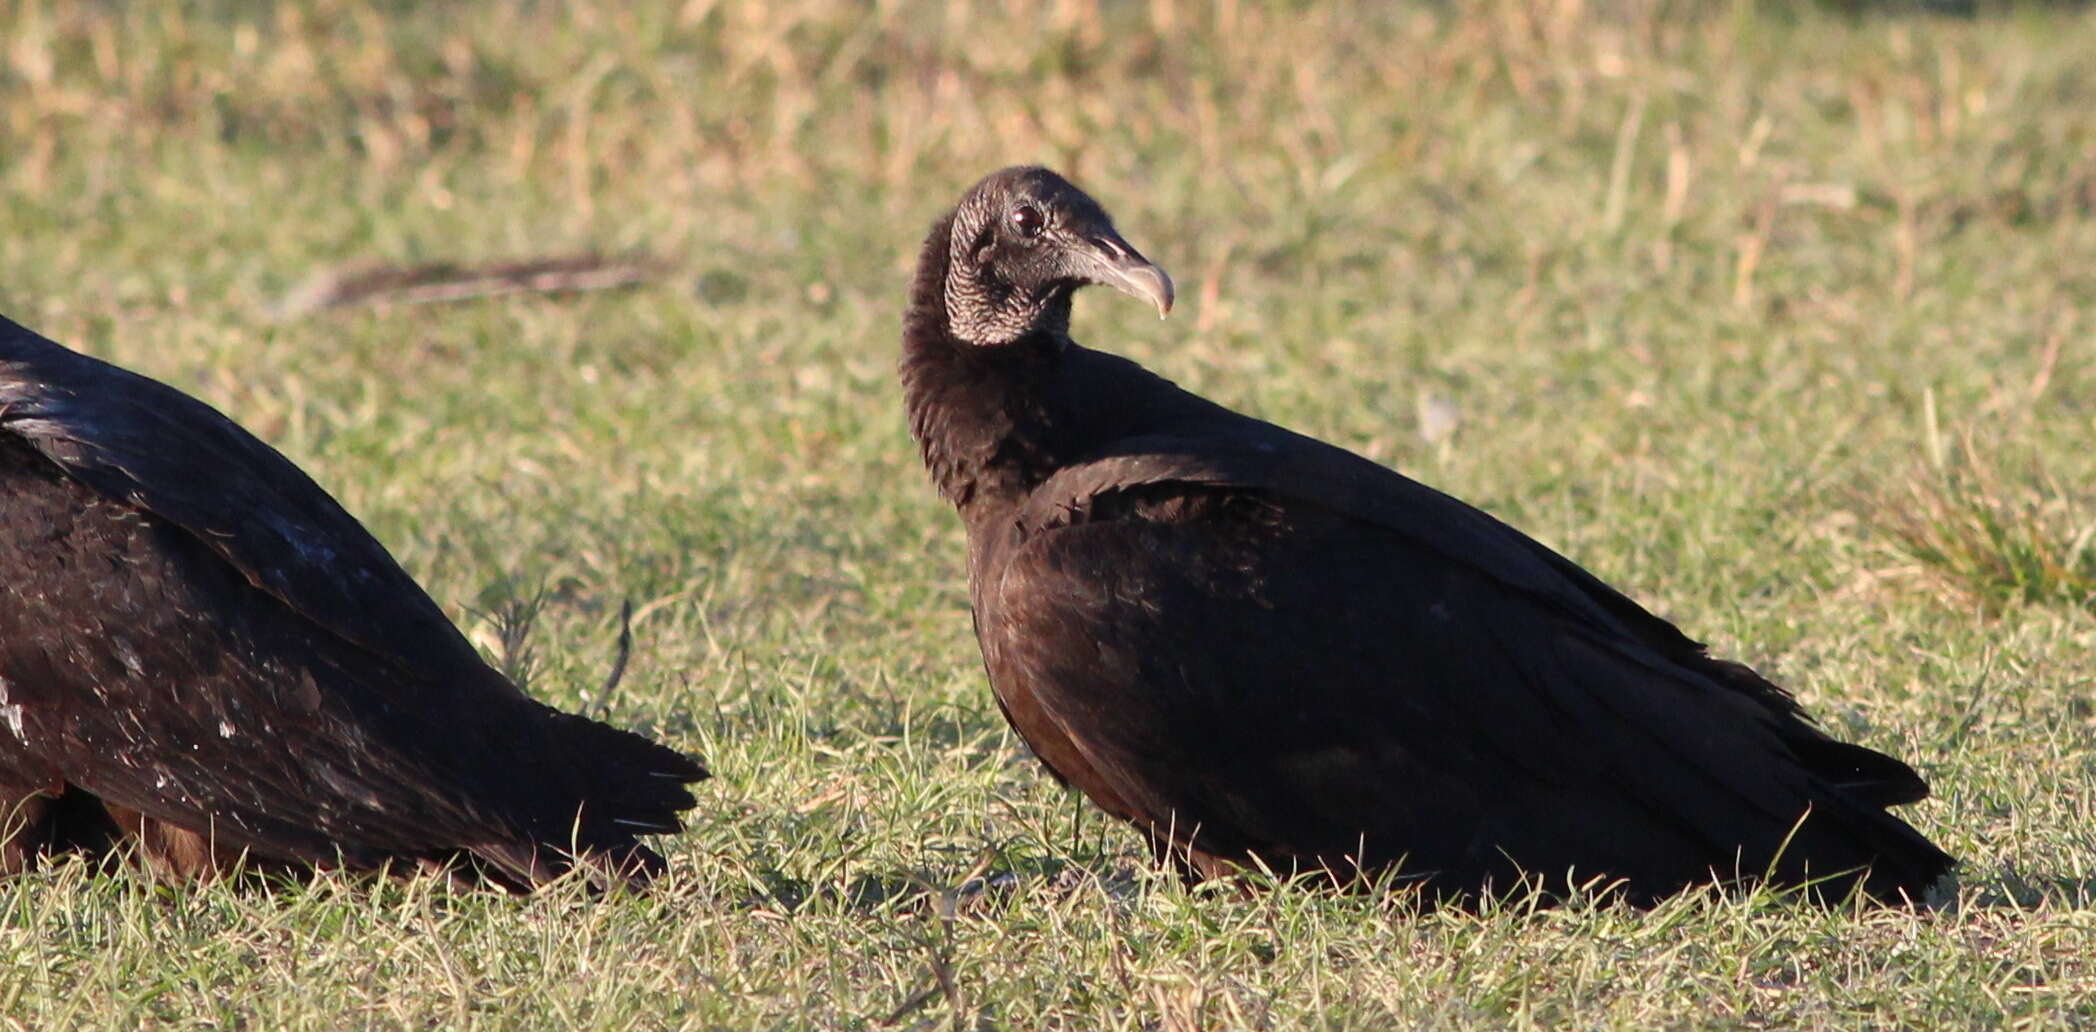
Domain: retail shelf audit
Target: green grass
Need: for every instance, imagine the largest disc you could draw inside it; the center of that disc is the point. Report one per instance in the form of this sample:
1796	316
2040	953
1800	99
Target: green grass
2004	536
1705	288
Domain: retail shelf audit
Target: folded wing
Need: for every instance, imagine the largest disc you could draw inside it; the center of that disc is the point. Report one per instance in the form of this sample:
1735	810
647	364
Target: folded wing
195	633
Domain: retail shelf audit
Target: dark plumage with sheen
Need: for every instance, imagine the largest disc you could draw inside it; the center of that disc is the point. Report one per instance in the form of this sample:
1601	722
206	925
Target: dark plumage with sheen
1263	650
201	652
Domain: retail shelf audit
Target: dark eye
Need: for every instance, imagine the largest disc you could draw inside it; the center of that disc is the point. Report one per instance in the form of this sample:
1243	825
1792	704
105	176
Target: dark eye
1028	220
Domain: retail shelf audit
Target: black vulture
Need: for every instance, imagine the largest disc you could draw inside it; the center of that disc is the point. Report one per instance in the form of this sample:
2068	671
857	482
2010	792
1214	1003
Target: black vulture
1266	652
203	655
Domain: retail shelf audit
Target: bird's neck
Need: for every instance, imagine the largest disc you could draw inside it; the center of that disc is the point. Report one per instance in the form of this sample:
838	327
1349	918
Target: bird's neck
984	417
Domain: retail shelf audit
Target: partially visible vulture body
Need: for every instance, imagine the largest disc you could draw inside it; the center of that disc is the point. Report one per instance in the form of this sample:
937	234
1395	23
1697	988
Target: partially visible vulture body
202	653
1267	652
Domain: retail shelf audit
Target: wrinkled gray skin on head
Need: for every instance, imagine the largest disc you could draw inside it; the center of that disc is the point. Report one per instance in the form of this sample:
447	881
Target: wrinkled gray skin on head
1023	240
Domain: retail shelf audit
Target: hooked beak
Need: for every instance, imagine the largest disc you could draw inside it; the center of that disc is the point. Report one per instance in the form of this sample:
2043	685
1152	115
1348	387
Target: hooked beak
1109	261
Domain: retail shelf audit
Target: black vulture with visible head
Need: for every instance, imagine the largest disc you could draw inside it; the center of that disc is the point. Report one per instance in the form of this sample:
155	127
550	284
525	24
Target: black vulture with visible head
203	654
1265	651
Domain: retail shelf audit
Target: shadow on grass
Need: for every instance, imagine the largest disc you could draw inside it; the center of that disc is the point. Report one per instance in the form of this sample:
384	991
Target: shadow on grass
2012	889
982	890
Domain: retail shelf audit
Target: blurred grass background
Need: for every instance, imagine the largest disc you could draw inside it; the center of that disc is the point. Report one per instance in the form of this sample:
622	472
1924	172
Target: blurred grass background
1771	314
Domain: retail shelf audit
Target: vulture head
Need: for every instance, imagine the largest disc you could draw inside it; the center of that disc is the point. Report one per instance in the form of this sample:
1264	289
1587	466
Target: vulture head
1022	241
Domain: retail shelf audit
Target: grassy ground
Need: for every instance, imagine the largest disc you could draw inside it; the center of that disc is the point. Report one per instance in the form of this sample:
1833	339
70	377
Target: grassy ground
1775	317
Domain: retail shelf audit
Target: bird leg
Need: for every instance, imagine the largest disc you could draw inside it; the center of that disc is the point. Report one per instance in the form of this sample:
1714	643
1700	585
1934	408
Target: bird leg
173	852
25	827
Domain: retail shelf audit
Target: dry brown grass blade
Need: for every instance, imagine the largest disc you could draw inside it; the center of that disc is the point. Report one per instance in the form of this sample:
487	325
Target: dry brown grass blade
382	286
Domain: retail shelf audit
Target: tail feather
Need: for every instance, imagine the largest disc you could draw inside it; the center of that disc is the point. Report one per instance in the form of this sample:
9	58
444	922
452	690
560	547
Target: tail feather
629	785
1909	868
1850	818
602	789
1866	774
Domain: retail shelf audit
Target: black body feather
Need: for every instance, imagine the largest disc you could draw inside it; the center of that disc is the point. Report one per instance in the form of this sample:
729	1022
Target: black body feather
201	650
1261	649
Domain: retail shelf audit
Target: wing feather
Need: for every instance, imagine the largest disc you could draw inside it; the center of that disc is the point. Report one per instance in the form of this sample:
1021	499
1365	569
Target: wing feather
199	633
1418	671
139	441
